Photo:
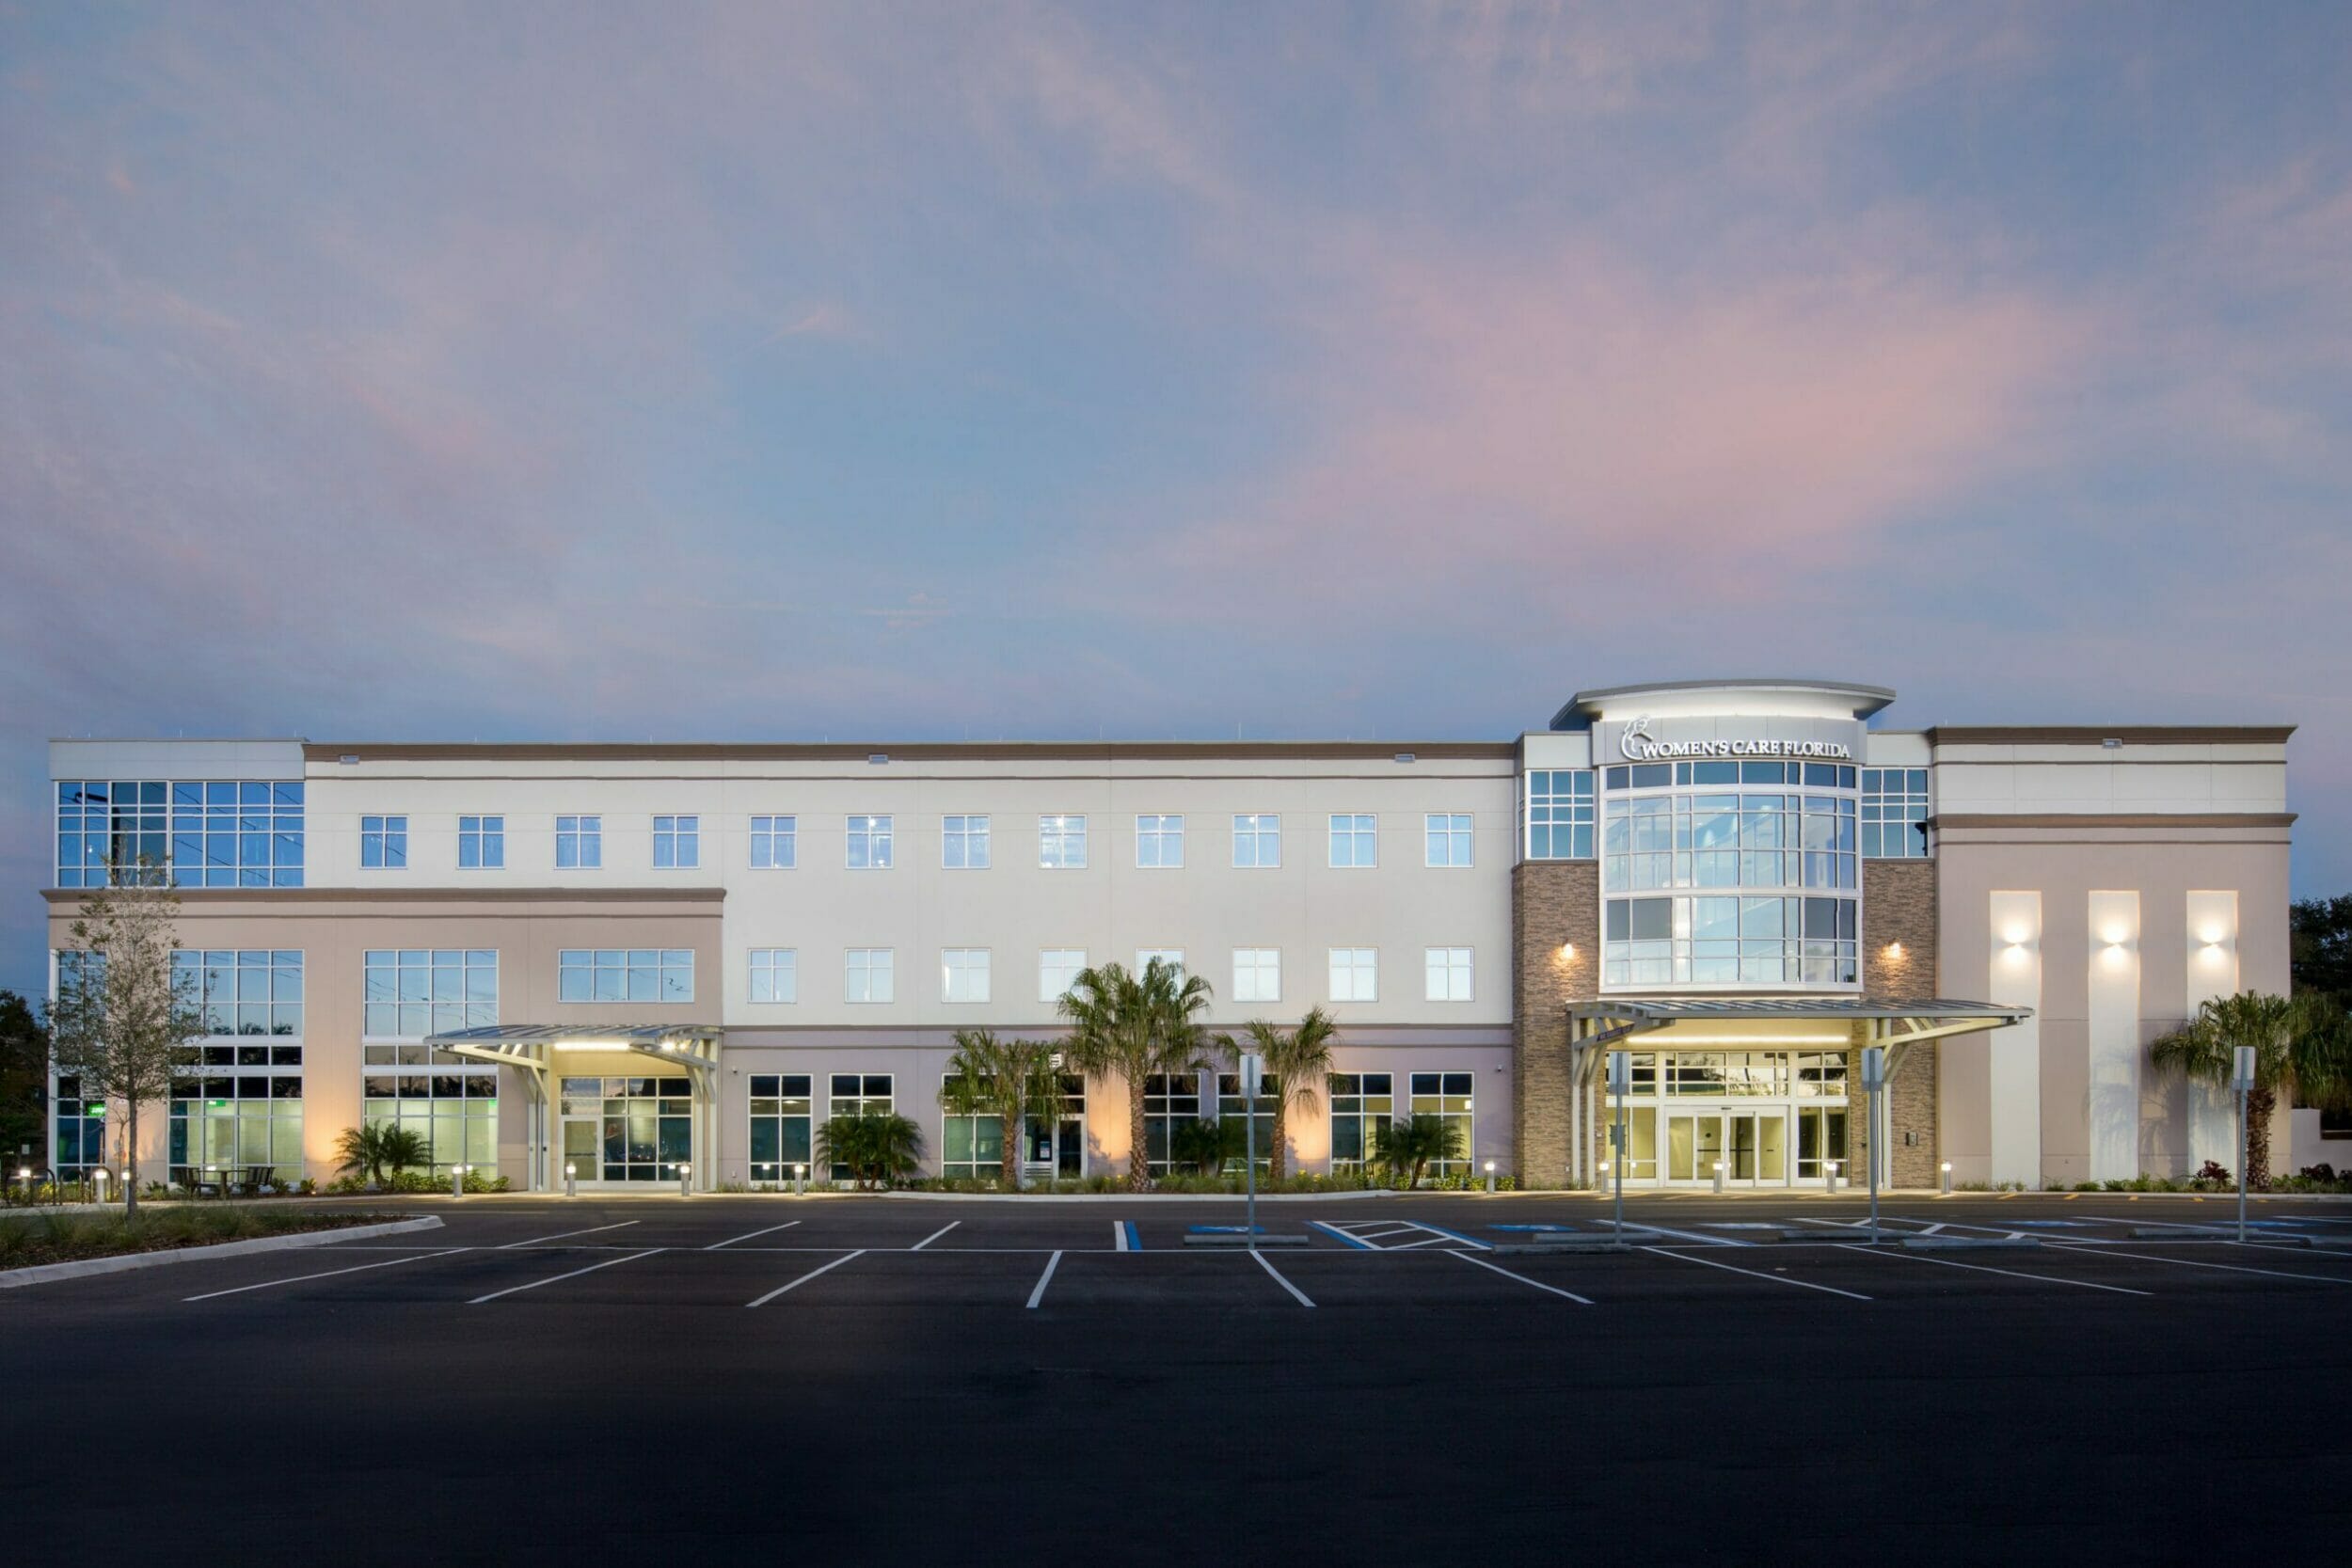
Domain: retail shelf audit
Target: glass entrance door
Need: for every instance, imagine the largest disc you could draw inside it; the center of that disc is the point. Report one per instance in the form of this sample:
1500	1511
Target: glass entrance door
1758	1148
1694	1142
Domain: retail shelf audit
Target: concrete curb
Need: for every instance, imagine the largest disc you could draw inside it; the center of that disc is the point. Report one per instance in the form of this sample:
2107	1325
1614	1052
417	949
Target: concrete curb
1140	1198
43	1274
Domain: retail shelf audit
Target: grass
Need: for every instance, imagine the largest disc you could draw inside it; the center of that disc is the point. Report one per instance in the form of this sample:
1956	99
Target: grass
29	1240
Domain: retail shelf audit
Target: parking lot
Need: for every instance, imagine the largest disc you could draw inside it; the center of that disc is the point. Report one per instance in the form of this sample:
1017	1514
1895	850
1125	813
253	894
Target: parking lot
1411	1374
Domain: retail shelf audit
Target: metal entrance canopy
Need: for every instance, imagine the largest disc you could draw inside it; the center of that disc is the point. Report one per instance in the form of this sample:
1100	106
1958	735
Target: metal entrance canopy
1597	1027
534	1049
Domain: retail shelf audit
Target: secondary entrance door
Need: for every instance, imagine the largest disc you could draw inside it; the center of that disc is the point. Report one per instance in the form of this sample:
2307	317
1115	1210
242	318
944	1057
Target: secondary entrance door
1751	1144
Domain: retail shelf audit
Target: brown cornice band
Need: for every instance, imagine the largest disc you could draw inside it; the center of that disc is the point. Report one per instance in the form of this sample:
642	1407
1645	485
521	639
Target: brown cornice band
978	751
2130	734
2096	820
421	894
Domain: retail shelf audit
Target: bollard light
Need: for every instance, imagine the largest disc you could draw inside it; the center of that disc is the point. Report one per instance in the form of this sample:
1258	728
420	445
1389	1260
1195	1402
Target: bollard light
571	1179
684	1171
1831	1167
1947	1179
457	1180
1490	1176
799	1180
1719	1176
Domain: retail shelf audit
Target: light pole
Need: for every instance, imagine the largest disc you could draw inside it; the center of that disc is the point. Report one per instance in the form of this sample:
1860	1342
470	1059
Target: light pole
2242	1080
1620	1084
1252	1064
1873	1079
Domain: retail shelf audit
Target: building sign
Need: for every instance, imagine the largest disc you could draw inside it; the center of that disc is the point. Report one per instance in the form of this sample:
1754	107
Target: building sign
1638	745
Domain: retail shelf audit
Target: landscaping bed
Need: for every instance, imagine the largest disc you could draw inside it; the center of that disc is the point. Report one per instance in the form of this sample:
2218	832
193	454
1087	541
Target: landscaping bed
27	1241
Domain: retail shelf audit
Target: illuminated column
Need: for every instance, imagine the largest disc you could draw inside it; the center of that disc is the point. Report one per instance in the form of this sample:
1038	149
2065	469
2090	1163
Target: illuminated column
2013	1099
2211	972
2113	1028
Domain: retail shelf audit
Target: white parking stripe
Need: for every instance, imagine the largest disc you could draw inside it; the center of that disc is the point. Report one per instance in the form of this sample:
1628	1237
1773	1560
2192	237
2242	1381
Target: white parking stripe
934	1236
591	1268
1506	1274
2191	1263
1776	1279
1280	1280
1986	1268
1118	1236
1051	1264
804	1278
561	1234
1639	1226
749	1234
324	1273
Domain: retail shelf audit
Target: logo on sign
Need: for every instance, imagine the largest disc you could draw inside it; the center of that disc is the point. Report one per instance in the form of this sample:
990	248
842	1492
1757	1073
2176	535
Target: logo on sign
1638	745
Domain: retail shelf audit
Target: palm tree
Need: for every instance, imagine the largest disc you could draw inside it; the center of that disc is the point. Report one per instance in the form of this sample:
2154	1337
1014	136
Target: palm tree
361	1150
404	1147
1132	1026
875	1147
1013	1081
2302	1049
1298	1060
1407	1147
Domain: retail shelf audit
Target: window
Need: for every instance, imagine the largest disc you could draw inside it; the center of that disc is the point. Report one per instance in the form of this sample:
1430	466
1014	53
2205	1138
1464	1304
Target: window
971	1147
81	1130
409	992
1258	840
780	1129
448	1102
384	842
1172	957
1894	812
1159	842
1062	843
775	974
868	841
244	992
235	1118
774	843
1726	940
678	842
1361	1104
1558	815
859	1095
210	834
964	843
624	974
480	843
1257	975
1354	841
1820	1141
1234	1111
1057	971
963	975
1354	975
579	843
1449	974
1447	1095
869	976
1170	1100
1449	838
638	1129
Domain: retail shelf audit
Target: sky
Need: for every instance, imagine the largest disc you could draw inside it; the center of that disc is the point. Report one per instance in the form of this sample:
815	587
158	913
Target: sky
898	371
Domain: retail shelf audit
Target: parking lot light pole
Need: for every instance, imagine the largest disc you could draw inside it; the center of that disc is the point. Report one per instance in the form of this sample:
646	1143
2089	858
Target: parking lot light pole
2242	1080
1873	1079
1620	1081
1252	1064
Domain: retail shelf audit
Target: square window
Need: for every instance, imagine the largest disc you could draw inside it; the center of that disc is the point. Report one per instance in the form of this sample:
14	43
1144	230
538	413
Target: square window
1062	843
1449	838
869	976
677	843
870	843
1159	842
480	843
579	843
1354	975
1257	975
964	843
383	844
1057	969
1447	975
1355	841
963	975
775	974
1173	957
774	845
1257	841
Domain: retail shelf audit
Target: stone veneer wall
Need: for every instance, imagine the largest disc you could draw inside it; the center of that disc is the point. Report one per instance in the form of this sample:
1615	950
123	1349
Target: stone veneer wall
1899	904
1552	902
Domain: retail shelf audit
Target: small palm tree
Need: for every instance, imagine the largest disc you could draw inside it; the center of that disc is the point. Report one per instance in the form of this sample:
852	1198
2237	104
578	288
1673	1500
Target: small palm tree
1014	1081
1408	1147
1297	1059
1204	1146
2303	1050
361	1150
1135	1027
876	1147
404	1147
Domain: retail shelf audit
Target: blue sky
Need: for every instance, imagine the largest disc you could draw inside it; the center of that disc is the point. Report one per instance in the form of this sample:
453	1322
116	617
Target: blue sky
569	370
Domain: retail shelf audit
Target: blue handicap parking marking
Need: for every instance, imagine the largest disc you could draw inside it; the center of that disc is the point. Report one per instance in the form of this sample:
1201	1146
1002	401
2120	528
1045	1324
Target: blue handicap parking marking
2045	1224
1226	1230
1739	1225
1530	1228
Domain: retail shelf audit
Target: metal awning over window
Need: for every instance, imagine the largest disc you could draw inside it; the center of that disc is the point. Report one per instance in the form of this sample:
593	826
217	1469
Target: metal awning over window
542	1046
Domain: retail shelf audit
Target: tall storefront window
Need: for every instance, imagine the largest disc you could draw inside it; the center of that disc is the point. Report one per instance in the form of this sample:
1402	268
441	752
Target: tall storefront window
80	1142
447	1101
1170	1099
780	1127
236	1111
1448	1096
1777	837
1361	1104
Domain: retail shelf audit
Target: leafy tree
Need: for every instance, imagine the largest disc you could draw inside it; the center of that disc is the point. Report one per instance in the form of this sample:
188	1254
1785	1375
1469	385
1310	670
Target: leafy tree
1205	1145
23	1076
876	1145
2303	1050
1013	1081
1408	1147
125	1016
2321	931
1298	1059
1132	1026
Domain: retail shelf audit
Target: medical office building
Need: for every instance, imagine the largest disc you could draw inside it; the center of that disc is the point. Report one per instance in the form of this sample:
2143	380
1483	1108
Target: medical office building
627	957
